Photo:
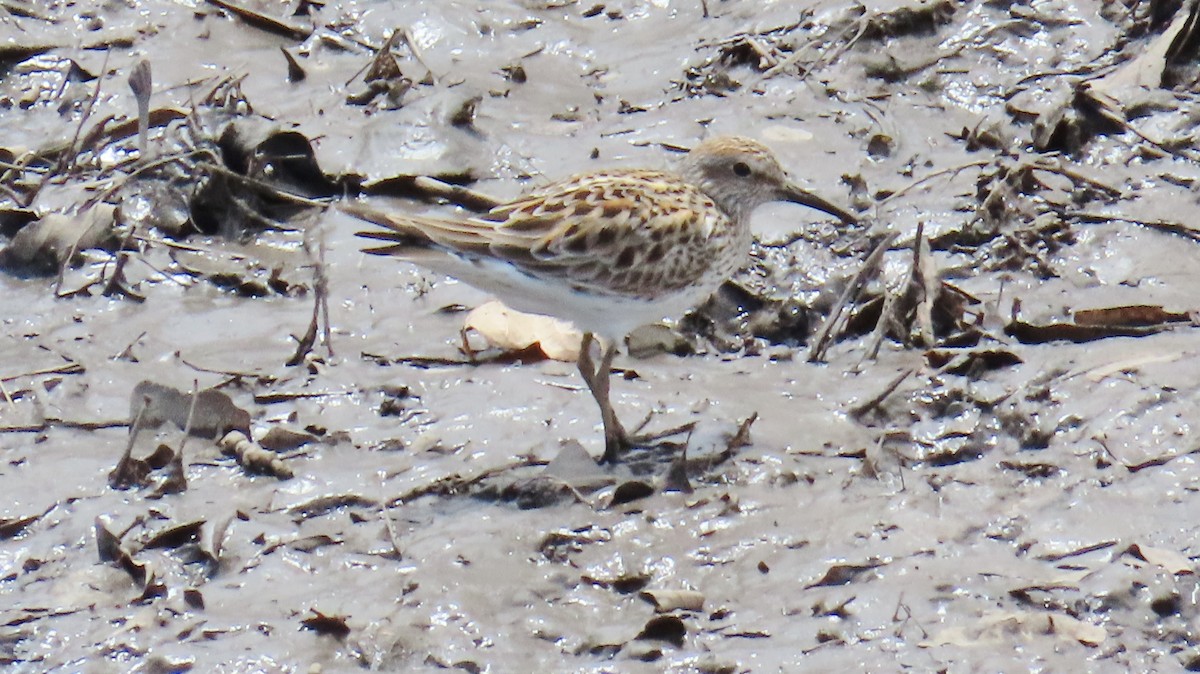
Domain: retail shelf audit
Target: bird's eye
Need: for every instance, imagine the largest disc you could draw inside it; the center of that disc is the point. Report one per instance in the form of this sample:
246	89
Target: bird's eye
741	169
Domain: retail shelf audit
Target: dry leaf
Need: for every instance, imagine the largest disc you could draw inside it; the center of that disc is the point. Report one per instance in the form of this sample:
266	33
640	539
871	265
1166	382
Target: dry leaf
12	526
842	574
214	415
175	536
1033	333
1168	559
42	246
1145	71
998	628
332	625
1133	314
631	490
513	330
282	439
670	600
667	628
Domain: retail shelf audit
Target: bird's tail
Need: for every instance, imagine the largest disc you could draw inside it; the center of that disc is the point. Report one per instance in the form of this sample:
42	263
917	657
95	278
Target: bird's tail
403	235
444	246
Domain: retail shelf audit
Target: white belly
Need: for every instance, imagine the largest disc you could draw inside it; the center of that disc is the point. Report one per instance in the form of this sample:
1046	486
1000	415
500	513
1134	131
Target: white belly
610	316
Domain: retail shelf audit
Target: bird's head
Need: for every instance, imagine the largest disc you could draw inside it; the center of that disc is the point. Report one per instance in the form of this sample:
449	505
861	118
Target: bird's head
740	175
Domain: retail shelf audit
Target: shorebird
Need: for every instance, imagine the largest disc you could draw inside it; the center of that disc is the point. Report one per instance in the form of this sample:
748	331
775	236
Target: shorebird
608	250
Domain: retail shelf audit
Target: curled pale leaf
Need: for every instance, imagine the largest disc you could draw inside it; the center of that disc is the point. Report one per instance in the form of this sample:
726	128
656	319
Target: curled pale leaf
665	601
44	245
513	330
1170	560
1001	627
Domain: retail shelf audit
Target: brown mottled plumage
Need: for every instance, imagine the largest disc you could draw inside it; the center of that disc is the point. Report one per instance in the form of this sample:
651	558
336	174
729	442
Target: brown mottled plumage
607	250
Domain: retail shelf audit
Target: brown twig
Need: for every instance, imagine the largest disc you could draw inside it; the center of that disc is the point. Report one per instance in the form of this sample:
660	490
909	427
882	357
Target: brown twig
117	283
127	352
304	345
266	187
881	327
416	52
925	281
456	194
1176	228
187	425
71	154
235	374
69	368
119	181
862	408
1077	177
393	537
840	313
189	247
52	422
250	213
824	59
276	398
455	483
1110	115
119	477
264	22
952	171
742	437
322	288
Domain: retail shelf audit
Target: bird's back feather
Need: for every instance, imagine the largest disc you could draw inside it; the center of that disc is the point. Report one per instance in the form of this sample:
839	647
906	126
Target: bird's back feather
619	233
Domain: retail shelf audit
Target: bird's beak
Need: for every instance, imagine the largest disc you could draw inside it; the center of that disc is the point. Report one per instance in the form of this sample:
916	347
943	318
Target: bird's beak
790	192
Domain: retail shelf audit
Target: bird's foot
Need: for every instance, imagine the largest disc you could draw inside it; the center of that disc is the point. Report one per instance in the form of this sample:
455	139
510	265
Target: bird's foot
619	442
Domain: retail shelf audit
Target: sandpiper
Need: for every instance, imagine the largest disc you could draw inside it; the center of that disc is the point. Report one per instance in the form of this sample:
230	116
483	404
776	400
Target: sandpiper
607	250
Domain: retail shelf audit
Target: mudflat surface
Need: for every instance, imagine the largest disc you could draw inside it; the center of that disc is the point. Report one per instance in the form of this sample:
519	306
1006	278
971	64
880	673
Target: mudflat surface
989	468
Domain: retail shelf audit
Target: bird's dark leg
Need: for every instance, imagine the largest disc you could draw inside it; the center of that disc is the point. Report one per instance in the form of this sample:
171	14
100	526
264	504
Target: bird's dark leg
616	440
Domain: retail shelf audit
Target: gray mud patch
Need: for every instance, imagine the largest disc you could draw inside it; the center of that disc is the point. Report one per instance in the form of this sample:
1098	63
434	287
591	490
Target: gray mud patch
958	437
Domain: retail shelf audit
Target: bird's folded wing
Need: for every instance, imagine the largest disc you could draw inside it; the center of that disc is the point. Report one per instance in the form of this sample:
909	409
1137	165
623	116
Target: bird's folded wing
610	232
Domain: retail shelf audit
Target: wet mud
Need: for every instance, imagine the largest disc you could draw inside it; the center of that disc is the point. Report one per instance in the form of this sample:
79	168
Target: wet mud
957	437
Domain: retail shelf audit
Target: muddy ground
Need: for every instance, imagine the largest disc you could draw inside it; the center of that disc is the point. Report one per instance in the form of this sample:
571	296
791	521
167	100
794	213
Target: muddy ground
986	466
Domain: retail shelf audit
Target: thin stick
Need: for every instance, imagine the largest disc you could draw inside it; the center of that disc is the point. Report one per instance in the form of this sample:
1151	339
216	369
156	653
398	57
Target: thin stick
119	471
261	376
1102	108
1078	177
1176	228
457	194
118	184
393	537
926	280
416	52
823	61
65	423
953	170
864	407
836	319
187	426
73	150
881	327
457	482
69	368
266	187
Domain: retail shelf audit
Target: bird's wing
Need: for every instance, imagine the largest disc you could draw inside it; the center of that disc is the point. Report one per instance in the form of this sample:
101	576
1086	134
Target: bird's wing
615	232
